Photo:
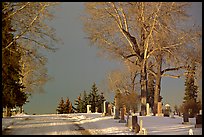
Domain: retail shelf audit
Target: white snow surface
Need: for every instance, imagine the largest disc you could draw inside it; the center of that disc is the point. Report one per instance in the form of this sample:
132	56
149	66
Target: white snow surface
96	124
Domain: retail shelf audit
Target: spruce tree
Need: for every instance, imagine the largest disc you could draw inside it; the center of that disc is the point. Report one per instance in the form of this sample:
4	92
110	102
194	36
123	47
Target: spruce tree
79	104
68	106
61	106
94	97
85	101
12	94
191	90
100	102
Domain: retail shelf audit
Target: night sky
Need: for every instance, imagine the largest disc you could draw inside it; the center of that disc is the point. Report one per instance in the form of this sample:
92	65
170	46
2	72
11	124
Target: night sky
75	66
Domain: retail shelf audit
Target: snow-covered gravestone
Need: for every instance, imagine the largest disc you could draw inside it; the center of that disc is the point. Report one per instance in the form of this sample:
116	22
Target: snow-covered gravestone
88	108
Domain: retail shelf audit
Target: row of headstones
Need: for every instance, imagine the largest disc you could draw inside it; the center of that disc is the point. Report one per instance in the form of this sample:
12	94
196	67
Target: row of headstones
107	109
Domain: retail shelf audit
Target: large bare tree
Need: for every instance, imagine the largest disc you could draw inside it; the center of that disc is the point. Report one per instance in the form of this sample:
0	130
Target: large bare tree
133	31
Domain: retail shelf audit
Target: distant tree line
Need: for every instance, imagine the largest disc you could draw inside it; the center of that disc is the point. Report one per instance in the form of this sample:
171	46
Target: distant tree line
65	107
94	98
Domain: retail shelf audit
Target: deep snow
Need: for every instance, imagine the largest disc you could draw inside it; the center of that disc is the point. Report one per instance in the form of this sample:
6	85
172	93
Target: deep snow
97	124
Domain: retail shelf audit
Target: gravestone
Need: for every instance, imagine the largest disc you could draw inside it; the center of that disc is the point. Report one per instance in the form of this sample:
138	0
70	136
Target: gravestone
105	108
88	108
116	113
185	118
159	109
141	131
171	115
198	121
96	108
200	112
127	118
124	107
147	109
109	109
135	124
190	132
122	116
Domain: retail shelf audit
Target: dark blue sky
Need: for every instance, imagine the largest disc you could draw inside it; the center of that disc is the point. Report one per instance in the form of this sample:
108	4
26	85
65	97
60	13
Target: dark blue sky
76	65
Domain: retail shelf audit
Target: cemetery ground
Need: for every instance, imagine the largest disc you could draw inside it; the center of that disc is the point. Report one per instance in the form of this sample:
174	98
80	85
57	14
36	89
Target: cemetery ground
93	124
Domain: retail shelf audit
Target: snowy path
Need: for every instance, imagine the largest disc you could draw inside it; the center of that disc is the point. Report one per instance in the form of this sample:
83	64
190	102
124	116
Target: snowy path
45	125
92	124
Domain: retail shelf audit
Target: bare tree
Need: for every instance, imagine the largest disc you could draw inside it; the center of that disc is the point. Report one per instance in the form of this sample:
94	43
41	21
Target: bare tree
133	31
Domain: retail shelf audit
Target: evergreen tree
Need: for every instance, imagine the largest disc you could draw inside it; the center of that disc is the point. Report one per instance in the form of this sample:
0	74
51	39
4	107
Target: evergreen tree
100	102
61	106
11	70
79	104
68	106
94	97
85	101
190	103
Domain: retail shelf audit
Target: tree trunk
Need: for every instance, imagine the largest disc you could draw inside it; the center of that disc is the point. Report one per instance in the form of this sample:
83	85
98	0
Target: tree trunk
158	84
8	111
21	109
143	82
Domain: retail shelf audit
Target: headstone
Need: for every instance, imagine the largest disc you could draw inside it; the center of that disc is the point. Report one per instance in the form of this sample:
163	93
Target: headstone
200	112
141	132
190	132
147	109
135	124
109	109
185	118
124	107
116	113
122	116
198	121
96	110
105	108
159	109
171	115
88	108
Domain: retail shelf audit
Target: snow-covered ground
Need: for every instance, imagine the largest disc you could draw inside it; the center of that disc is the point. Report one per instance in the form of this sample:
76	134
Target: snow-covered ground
95	124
